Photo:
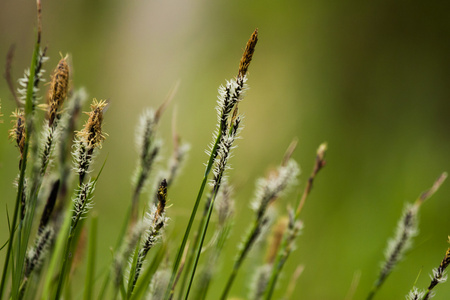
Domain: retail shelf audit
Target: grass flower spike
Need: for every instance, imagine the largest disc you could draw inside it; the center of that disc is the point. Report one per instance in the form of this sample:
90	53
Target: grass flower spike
148	147
89	138
156	220
229	96
56	95
58	90
268	189
18	133
405	232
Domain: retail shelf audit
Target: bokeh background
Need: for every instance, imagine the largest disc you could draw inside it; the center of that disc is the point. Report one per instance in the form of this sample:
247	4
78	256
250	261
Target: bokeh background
371	78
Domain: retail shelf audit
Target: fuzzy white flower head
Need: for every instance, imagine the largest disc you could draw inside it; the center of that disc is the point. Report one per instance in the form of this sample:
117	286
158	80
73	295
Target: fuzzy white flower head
415	294
406	230
145	130
275	184
439	275
83	202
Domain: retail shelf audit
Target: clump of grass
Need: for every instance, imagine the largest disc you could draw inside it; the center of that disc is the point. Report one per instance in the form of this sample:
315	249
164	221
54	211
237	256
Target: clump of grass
141	264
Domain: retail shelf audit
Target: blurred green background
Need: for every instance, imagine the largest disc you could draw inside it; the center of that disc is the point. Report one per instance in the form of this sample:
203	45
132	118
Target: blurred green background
369	77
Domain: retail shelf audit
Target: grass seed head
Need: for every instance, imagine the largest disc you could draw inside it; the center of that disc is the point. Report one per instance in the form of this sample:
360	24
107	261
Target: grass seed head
17	133
92	134
58	90
248	54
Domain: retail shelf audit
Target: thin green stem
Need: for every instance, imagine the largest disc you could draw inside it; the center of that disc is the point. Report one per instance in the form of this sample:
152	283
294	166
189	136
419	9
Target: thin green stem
192	251
169	291
202	239
249	240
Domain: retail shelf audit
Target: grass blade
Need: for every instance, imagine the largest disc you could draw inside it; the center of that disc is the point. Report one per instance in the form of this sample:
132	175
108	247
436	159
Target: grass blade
90	272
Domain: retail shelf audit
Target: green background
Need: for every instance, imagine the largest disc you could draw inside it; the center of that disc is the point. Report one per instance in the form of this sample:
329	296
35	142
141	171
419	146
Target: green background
371	78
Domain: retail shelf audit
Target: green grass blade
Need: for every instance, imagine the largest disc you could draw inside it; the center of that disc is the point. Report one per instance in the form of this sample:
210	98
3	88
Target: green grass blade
57	253
132	272
90	272
200	245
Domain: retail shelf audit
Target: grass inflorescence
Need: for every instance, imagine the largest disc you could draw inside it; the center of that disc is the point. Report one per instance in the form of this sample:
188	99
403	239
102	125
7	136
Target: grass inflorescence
56	186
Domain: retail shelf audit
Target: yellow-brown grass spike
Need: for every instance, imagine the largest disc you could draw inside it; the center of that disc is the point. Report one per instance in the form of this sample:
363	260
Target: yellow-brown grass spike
92	134
58	90
248	54
17	133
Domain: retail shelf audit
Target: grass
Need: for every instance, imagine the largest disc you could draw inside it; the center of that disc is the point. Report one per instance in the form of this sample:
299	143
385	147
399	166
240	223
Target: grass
47	229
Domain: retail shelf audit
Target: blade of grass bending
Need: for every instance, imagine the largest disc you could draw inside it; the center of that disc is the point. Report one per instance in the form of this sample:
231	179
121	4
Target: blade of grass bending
144	281
191	219
90	272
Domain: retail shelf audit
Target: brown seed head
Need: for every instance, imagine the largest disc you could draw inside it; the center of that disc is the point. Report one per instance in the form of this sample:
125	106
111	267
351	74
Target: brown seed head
17	133
248	54
92	134
58	90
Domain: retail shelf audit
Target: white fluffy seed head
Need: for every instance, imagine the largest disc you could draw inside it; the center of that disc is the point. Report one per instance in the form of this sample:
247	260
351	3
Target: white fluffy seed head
407	229
260	281
275	184
415	294
145	131
83	201
439	275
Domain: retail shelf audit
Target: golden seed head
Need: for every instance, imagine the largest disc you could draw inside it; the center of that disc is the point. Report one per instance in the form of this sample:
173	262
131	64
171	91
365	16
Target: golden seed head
17	133
58	90
248	54
92	134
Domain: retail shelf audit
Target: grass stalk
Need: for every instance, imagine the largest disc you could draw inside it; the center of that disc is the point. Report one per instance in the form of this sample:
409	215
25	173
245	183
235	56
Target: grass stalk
293	229
406	230
200	245
90	272
169	291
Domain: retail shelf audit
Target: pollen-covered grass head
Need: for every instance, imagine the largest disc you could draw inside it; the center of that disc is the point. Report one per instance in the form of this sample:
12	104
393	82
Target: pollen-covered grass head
57	92
92	135
17	132
248	54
